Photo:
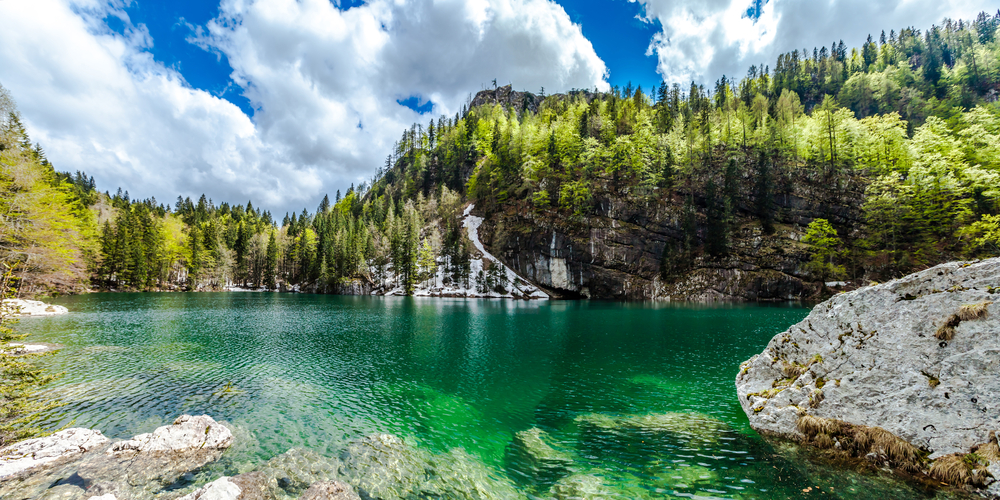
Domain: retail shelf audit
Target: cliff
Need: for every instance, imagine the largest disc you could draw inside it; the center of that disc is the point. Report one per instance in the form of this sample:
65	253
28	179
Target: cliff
632	248
902	374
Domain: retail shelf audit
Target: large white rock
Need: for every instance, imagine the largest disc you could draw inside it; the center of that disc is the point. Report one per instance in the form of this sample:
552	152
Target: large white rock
870	357
21	307
186	433
32	453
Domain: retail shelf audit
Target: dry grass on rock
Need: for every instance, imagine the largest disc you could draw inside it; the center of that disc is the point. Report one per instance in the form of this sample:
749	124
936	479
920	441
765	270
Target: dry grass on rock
967	312
861	441
961	469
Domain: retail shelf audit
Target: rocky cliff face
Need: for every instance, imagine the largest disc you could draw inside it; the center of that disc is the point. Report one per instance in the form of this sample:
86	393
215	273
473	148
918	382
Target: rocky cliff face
904	372
631	248
507	97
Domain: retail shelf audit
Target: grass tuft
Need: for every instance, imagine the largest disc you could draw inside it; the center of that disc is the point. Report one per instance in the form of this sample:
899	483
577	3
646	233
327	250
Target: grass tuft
991	450
860	441
969	312
947	330
961	469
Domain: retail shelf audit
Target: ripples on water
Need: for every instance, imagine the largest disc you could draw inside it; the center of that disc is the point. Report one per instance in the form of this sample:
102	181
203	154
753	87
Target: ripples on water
640	398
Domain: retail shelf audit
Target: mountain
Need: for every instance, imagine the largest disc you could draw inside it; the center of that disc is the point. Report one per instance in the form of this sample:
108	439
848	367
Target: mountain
832	167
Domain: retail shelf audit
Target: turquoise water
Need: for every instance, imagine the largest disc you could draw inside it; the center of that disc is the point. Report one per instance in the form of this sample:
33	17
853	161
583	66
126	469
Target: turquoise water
604	381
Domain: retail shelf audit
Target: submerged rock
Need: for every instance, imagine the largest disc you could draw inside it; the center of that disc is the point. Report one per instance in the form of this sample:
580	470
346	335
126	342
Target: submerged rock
915	359
33	453
292	472
384	467
683	426
582	487
330	490
531	455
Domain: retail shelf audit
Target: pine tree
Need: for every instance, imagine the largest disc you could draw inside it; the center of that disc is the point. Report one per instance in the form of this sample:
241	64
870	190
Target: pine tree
271	266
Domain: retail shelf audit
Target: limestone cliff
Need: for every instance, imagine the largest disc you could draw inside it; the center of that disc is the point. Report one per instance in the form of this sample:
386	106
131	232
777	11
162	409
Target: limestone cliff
918	357
631	248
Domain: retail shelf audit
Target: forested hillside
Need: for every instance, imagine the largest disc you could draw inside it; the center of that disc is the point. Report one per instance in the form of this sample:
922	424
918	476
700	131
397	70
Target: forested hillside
834	164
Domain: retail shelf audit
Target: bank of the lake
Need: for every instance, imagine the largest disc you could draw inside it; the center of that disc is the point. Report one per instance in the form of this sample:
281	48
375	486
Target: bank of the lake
612	387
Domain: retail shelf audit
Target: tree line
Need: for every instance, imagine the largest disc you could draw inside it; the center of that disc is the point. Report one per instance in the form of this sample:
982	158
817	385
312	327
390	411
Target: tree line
905	127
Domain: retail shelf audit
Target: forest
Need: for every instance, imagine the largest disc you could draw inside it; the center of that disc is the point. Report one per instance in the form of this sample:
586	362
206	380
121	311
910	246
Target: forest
907	125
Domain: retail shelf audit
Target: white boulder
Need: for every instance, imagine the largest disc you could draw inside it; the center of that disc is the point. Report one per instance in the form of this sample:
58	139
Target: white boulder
186	433
32	453
21	307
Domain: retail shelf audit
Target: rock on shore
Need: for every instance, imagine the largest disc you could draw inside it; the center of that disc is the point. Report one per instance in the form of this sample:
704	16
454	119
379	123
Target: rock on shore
918	357
34	453
75	463
21	307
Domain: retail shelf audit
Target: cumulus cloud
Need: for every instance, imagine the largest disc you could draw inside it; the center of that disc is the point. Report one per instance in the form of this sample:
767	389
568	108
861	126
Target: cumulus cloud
702	40
324	83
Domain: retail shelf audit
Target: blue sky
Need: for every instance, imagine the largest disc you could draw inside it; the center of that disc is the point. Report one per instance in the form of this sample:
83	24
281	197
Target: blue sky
614	28
283	101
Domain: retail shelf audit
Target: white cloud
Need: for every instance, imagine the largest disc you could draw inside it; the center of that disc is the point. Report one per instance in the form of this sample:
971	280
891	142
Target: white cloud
703	40
324	81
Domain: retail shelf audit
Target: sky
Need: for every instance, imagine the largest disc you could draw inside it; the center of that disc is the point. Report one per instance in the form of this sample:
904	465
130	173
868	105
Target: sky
283	101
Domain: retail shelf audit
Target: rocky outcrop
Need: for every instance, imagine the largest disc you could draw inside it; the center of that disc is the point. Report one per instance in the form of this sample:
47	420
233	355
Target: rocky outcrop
21	307
891	372
61	446
507	97
135	469
187	433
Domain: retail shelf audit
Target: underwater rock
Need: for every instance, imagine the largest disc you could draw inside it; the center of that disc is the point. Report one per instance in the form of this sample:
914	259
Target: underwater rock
292	472
687	426
915	358
330	490
458	475
384	467
27	455
531	455
581	486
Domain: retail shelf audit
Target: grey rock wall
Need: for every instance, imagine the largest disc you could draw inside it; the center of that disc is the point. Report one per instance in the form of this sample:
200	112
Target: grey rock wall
896	355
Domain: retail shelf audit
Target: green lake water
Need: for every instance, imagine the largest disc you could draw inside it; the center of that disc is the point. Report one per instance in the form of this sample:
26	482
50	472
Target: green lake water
319	371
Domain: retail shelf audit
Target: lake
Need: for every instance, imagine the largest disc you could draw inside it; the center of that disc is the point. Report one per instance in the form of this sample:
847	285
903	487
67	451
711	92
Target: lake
635	400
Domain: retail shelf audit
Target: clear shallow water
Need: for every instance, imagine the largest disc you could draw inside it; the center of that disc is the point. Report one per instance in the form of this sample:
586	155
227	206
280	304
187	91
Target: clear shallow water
603	380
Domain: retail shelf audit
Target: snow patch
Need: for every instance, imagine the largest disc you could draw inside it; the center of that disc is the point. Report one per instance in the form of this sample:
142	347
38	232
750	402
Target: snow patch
517	287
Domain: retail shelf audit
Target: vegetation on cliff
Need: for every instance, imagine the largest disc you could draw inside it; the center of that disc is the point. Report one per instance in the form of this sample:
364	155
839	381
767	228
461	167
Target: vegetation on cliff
903	131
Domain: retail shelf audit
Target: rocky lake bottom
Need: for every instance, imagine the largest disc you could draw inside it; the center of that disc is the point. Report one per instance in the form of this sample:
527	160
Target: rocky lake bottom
441	398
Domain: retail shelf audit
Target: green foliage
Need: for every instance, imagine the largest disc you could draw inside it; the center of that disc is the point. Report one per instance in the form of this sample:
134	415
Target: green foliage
825	247
45	225
20	378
